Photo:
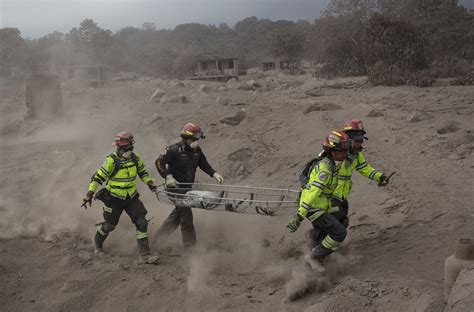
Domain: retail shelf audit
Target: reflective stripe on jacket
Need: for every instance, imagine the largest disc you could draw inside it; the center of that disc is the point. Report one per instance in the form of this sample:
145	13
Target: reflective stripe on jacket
353	161
124	182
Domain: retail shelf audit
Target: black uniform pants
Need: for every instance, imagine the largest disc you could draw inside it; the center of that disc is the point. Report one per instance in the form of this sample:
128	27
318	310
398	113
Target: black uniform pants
183	217
132	206
180	216
342	214
328	233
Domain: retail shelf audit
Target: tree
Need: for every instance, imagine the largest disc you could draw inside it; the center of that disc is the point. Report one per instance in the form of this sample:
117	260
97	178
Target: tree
287	42
87	30
148	26
13	51
394	52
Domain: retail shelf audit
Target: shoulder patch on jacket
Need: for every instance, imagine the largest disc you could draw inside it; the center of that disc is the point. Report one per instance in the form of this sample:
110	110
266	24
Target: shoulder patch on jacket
323	176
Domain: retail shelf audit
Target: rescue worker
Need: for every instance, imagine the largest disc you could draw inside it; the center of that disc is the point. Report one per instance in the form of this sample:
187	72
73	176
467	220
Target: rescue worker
177	164
315	200
355	160
119	172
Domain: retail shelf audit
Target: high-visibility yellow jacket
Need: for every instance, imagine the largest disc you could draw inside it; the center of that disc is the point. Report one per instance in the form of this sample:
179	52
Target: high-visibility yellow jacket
353	161
123	183
317	193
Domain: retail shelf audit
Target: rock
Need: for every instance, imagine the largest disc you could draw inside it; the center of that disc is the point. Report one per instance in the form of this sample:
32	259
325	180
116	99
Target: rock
222	89
299	96
222	101
155	117
125	76
249	85
204	88
466	137
232	84
374	113
418	116
447	126
176	83
253	70
183	98
84	255
321	106
265	243
158	94
241	154
253	83
234	120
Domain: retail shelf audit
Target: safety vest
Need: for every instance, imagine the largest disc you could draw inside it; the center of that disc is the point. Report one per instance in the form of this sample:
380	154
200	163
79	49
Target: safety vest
317	193
353	161
123	183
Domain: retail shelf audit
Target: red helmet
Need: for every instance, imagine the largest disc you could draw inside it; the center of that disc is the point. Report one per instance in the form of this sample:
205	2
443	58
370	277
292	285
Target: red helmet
337	140
123	139
192	131
355	129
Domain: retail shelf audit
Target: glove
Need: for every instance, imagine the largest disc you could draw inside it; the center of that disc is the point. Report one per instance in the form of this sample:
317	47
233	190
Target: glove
383	180
152	186
218	177
295	223
170	181
87	200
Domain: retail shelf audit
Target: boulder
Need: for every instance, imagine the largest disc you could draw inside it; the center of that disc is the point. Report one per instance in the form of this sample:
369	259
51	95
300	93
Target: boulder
183	98
374	113
232	84
176	83
249	85
158	94
254	70
418	116
234	120
447	126
204	88
153	118
321	107
222	101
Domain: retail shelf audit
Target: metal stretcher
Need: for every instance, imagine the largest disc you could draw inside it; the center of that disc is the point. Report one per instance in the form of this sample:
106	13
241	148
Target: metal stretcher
243	199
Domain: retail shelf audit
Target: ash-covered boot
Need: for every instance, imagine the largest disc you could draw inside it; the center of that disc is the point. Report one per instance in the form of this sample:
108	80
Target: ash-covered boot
145	255
316	264
98	241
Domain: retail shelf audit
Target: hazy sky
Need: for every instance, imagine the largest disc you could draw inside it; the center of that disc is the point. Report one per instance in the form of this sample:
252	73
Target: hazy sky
36	18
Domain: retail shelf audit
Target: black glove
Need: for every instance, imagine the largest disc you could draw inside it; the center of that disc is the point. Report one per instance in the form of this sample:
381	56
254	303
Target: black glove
152	186
383	180
87	199
294	224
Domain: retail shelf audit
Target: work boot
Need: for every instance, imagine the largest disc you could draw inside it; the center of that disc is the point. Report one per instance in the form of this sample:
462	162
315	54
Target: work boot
145	255
316	264
310	241
98	241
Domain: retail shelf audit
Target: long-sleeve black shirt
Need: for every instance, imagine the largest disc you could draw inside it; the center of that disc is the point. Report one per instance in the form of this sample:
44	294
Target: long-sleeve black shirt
181	161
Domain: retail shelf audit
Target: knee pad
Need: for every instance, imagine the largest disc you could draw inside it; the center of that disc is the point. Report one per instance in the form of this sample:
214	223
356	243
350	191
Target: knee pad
107	227
141	224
